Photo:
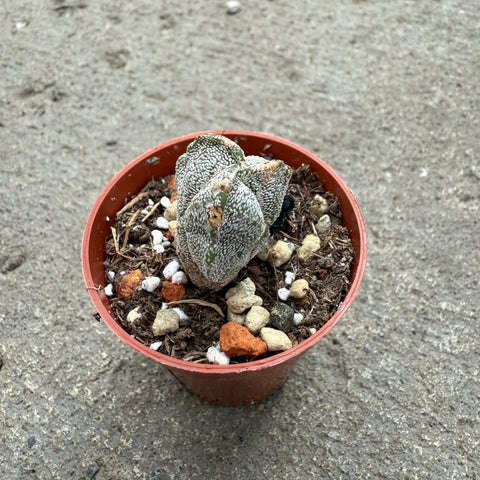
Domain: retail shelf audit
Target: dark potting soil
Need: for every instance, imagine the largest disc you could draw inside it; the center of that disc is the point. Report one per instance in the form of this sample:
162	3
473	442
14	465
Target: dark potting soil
327	271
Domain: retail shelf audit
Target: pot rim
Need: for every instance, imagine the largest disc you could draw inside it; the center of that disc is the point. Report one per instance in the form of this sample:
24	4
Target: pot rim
280	357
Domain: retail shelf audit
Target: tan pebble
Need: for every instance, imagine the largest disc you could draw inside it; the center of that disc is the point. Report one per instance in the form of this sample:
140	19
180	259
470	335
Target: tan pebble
172	227
280	253
171	211
323	224
257	318
276	340
320	205
236	317
310	244
299	288
239	303
263	254
245	287
166	321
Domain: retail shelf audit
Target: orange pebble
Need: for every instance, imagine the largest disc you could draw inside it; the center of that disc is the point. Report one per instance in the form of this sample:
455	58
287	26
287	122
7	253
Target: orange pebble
237	341
172	292
171	183
129	283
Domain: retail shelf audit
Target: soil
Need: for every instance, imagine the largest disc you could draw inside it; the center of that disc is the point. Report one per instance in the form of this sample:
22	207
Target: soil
327	272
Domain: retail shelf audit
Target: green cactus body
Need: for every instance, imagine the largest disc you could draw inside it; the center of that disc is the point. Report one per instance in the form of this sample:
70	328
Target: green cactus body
226	204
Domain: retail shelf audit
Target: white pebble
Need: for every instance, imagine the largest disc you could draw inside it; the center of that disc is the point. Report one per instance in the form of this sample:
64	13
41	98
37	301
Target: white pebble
297	318
111	275
157	237
283	293
109	290
165	202
150	283
216	356
162	223
179	278
151	202
164	306
289	277
159	248
156	345
166	244
312	330
144	211
171	269
233	7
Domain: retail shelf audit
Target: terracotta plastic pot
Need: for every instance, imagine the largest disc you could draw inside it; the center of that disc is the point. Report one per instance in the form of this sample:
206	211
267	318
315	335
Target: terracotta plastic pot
227	385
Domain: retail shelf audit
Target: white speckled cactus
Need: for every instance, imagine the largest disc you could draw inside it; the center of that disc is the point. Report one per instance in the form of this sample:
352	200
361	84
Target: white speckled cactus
226	204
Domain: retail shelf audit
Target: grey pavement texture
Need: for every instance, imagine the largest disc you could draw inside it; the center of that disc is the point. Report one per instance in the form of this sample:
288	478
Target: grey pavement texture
387	92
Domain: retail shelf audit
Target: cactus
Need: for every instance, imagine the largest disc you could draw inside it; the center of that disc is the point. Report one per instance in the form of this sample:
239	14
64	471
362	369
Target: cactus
226	205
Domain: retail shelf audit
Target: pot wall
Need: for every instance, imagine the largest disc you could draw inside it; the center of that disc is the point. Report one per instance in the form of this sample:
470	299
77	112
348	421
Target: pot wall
228	385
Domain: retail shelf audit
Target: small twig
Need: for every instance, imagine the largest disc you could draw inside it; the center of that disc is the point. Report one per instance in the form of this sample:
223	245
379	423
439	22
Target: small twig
151	211
199	302
129	227
133	201
115	239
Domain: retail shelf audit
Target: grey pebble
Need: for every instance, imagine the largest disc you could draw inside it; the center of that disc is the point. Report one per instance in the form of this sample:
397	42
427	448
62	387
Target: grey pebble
281	317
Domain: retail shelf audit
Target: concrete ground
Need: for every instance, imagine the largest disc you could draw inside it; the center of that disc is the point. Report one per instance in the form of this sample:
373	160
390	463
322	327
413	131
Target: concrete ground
387	92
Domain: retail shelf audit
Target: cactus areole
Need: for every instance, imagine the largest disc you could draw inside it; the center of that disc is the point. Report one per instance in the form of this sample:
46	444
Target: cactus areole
226	205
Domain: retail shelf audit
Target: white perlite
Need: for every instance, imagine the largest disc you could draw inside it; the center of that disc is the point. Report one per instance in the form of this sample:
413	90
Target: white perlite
156	345
157	237
165	202
109	290
134	315
289	277
159	248
182	316
179	278
298	318
162	223
216	356
171	269
150	284
283	293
